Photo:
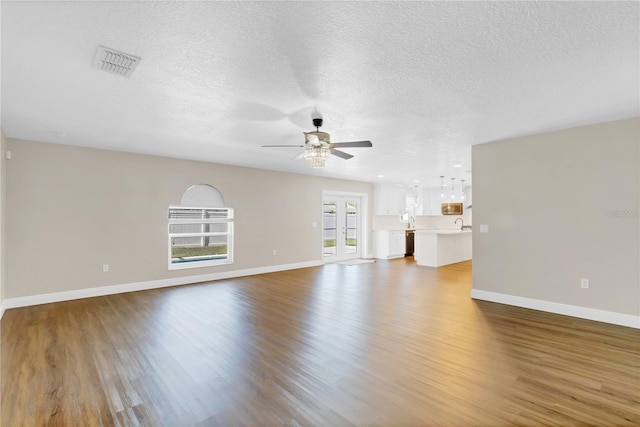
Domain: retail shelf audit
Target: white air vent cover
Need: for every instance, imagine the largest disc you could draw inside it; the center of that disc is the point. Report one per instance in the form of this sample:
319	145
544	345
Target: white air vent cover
114	61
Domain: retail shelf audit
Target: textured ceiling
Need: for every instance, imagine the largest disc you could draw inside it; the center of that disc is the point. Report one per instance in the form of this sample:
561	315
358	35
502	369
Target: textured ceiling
424	81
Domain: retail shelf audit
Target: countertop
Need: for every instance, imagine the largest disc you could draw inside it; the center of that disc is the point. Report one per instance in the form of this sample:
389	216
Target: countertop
426	230
444	231
393	229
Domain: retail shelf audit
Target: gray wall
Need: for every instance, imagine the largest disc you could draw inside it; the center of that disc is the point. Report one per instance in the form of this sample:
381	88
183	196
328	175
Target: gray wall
2	211
561	206
69	210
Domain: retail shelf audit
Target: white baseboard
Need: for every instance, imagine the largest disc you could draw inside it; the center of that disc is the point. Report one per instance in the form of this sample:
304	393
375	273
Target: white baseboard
388	257
1	309
557	308
151	284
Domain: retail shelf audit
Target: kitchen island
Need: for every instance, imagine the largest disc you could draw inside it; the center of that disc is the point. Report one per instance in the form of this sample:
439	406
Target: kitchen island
435	248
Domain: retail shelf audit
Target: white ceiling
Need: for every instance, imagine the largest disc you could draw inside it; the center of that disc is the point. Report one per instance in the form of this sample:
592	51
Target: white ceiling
424	81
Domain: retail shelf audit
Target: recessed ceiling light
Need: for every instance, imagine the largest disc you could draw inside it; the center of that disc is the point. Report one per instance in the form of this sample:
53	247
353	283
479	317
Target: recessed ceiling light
416	181
380	176
457	166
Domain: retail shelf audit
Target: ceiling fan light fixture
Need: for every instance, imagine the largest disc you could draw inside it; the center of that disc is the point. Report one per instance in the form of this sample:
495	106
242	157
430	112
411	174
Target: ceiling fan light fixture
318	146
316	155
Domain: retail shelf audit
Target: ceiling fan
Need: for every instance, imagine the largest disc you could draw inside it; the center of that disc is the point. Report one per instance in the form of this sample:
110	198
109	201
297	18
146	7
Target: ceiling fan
317	146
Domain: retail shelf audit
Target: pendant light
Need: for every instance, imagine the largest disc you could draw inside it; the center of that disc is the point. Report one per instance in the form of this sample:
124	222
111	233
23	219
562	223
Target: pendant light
453	194
462	191
442	187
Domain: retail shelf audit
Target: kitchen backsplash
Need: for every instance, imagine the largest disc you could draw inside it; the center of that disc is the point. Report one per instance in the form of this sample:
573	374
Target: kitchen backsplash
428	222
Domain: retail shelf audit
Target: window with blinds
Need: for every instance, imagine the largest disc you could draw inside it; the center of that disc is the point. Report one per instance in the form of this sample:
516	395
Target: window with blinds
200	237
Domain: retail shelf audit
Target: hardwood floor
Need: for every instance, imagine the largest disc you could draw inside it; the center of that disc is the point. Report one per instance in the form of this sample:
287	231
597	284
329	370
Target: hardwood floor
381	344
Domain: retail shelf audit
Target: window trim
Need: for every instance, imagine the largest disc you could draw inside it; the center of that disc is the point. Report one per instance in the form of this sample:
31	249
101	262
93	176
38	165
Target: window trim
228	219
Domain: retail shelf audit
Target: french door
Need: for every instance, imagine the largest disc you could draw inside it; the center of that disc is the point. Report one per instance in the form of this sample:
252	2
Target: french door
341	227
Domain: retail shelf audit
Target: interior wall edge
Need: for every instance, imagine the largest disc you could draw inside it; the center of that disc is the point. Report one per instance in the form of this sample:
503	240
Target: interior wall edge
559	209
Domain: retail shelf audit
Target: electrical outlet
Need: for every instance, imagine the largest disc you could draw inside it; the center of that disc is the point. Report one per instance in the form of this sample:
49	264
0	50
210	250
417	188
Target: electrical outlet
584	283
275	252
105	268
484	228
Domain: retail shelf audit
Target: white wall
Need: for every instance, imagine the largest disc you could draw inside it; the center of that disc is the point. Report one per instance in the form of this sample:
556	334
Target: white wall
70	210
560	206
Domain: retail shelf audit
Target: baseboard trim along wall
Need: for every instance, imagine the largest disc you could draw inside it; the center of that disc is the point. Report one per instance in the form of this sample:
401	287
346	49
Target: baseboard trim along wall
151	284
557	308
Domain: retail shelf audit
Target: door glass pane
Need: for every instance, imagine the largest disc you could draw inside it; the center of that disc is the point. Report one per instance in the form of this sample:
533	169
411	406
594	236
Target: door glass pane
351	221
330	231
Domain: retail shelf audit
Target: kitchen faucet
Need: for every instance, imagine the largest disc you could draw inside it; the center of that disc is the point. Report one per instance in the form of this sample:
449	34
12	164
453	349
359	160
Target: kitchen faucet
410	219
463	227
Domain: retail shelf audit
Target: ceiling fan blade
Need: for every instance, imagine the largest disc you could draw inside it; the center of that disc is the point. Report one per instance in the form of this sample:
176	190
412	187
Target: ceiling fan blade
353	144
299	146
342	154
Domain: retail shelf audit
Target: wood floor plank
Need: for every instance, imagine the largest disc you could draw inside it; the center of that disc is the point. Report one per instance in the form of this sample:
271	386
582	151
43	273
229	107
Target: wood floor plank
380	344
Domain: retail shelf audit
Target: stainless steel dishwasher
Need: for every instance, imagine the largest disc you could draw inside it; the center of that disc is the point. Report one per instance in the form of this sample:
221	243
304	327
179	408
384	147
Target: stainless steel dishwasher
408	238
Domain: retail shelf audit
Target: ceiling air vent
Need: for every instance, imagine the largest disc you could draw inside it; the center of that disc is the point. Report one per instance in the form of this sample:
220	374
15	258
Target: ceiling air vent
115	62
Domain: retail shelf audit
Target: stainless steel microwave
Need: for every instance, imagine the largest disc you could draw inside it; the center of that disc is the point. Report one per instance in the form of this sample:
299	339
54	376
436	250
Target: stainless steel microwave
452	209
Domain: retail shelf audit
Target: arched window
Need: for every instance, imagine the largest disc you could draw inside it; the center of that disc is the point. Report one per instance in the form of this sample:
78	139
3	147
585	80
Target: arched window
200	229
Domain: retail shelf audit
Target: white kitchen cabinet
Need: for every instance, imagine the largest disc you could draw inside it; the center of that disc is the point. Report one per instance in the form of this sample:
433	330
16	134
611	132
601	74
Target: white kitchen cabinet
389	199
432	201
389	244
467	198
